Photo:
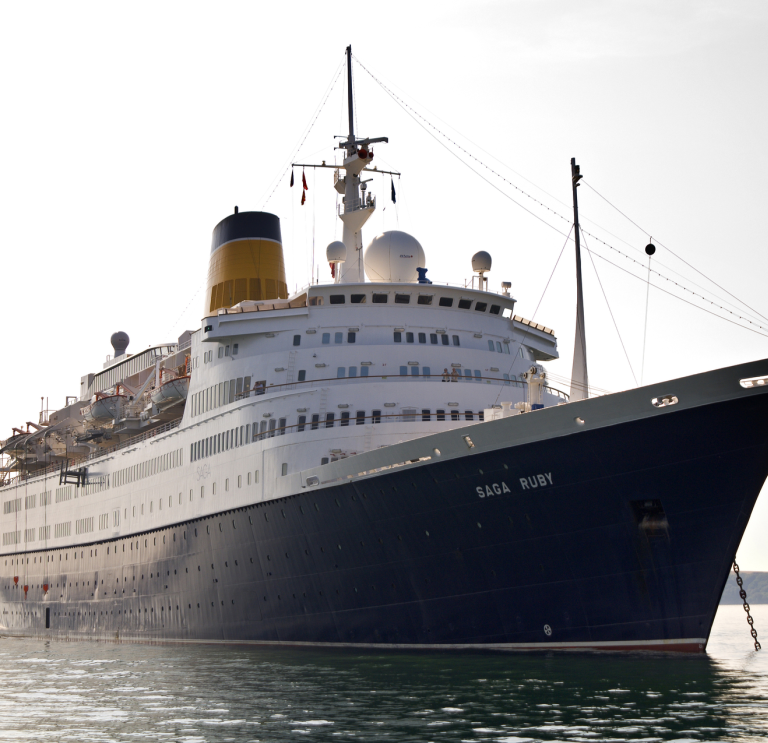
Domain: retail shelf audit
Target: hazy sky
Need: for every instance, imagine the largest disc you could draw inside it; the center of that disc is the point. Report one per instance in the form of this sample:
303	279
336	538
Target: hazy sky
129	131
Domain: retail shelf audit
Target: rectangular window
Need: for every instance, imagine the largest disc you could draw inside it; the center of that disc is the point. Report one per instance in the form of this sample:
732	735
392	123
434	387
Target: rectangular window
422	337
337	299
409	415
454	415
256	477
414	371
329	420
409	337
232	388
239	388
323	460
302	423
495	309
376	417
221	351
481	306
239	481
445	340
426	415
272	427
284	469
433	338
506	348
345	418
478	376
364	371
440	415
221	393
468	374
296	340
247	433
398	337
498	347
281	426
262	430
425	372
338	337
403	371
357	298
446	302
353	371
246	386
302	375
424	300
379	298
491	347
360	417
351	337
465	304
226	392
340	372
506	378
468	415
315	421
226	350
326	338
402	298
456	341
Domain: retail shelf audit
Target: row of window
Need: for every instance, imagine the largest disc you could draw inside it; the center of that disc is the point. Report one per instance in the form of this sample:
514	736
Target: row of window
223	393
236	437
161	463
64	493
422	299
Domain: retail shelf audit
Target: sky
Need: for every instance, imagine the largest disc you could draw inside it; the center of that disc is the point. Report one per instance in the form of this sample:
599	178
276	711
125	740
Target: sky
129	131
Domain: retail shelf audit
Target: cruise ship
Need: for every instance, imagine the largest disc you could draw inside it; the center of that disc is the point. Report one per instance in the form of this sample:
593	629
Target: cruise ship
378	461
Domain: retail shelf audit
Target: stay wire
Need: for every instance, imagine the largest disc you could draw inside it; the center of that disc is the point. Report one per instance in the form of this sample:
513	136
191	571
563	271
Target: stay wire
427	126
677	296
610	311
645	324
306	133
669	250
541	299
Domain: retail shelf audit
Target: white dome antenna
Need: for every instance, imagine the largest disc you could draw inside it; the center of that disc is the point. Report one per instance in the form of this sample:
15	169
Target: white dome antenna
335	254
481	264
394	256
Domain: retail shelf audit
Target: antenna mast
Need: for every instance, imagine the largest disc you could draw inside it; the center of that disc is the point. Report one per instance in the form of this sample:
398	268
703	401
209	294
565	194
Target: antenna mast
579	379
350	102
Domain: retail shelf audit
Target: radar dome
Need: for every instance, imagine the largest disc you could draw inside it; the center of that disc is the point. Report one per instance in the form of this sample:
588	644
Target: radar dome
336	252
394	256
119	341
481	262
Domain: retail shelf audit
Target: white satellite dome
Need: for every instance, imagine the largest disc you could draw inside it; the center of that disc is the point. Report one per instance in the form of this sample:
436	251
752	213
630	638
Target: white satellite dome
481	262
394	256
336	252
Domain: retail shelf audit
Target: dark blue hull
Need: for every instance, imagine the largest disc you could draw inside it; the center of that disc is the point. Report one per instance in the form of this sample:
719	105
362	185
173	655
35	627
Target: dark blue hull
619	537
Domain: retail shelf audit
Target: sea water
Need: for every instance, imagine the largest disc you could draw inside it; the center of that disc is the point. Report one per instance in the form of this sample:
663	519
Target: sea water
88	691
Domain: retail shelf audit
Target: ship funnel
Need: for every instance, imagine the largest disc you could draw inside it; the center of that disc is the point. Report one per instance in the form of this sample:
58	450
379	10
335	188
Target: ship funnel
246	261
119	341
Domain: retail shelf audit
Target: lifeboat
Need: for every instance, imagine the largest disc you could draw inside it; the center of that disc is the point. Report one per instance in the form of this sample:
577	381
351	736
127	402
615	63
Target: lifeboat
171	391
103	408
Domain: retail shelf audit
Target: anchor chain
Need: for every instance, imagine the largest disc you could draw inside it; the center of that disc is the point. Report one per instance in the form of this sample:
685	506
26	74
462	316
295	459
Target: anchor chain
743	596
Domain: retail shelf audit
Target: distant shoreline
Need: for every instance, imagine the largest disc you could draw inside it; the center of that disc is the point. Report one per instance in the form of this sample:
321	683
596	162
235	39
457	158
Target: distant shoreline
755	584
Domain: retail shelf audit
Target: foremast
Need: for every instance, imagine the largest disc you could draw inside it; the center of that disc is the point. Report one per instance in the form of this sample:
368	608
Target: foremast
358	204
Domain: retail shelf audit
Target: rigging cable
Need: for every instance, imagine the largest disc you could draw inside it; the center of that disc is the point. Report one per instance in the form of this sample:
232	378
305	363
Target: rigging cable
306	132
541	299
427	126
722	288
647	297
610	311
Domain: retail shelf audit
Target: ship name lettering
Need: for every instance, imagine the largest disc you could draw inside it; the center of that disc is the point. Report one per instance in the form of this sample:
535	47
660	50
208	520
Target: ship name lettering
536	481
494	489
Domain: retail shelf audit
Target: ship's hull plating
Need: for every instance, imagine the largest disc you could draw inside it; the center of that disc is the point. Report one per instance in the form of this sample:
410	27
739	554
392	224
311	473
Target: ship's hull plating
622	537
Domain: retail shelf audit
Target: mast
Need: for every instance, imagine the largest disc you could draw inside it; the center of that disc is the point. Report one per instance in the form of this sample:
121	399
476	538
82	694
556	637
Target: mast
357	208
579	379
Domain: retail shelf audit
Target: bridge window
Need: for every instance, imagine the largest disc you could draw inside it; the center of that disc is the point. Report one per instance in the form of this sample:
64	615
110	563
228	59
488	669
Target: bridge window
481	306
446	301
357	298
495	309
465	304
424	300
337	299
379	298
402	298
